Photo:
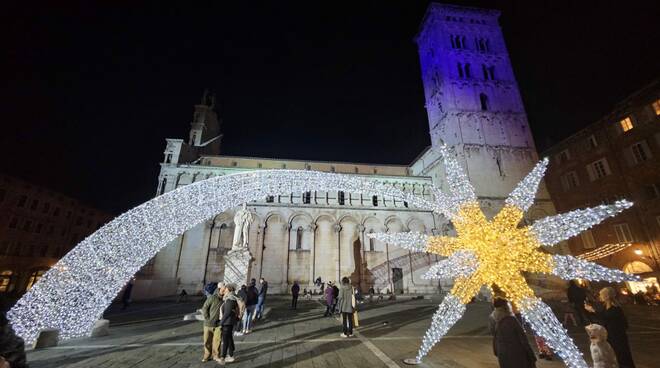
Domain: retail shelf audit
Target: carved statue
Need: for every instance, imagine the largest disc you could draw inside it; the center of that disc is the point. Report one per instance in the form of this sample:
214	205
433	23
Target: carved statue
242	221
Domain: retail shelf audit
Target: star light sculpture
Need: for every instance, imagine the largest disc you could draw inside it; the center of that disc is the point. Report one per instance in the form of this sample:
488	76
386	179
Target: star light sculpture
496	252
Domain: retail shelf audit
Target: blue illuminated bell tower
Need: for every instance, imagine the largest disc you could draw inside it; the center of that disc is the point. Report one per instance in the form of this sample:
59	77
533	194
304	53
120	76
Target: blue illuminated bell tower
472	99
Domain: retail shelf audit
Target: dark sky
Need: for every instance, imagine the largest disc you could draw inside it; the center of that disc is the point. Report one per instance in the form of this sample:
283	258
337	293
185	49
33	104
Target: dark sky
89	92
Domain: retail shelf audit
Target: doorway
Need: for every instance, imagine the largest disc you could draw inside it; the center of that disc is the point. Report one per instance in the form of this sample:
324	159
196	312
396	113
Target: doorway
397	280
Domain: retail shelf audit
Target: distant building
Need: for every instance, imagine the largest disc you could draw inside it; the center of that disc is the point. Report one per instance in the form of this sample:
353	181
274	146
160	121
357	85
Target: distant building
473	105
616	157
37	227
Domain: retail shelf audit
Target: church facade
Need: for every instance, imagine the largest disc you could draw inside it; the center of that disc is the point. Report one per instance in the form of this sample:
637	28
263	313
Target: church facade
473	105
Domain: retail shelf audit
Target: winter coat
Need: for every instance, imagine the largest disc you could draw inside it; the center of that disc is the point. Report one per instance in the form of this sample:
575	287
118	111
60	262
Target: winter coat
263	290
345	299
12	347
295	289
335	291
211	310
229	310
251	295
329	296
616	325
510	343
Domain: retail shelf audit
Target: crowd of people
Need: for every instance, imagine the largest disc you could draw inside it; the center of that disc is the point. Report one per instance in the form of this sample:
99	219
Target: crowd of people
227	313
602	317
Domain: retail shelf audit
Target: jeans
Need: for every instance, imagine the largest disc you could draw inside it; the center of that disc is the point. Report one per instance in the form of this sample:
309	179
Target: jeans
247	316
347	323
227	341
260	306
294	302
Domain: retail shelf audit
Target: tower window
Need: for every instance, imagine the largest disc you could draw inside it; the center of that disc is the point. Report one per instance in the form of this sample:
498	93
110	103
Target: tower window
270	199
162	186
374	201
460	70
483	99
307	197
468	74
491	72
341	198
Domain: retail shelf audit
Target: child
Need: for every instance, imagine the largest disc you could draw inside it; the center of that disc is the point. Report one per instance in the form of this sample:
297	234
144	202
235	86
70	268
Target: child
601	352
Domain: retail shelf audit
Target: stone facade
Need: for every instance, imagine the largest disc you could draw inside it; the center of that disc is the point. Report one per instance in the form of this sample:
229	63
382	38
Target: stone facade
615	157
37	227
299	237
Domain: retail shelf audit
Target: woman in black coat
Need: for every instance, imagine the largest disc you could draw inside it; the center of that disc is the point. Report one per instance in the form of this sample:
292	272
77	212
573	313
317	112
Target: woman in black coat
229	317
614	321
510	343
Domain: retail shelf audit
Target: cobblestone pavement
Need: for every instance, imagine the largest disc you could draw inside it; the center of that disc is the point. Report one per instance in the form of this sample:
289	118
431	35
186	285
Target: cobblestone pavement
153	335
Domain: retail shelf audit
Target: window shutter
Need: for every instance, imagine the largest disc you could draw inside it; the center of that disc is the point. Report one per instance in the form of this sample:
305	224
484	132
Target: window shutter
629	156
590	171
647	150
607	167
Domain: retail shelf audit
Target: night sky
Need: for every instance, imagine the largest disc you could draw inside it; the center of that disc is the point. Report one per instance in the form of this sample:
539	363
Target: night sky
90	92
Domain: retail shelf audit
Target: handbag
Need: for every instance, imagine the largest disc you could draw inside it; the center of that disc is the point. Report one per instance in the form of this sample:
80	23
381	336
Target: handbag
356	320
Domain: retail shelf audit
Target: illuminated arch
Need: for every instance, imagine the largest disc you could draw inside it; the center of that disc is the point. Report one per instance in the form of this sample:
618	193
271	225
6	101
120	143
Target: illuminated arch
76	291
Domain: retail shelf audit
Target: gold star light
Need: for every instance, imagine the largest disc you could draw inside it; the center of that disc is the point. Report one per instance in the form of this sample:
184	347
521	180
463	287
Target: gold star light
498	251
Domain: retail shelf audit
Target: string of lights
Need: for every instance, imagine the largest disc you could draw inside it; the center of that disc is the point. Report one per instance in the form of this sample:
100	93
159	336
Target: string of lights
604	251
77	290
497	251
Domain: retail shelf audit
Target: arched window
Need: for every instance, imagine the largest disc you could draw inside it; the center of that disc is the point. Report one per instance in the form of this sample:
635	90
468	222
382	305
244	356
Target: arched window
485	71
299	236
341	198
491	72
468	74
162	186
460	70
463	44
453	44
307	197
483	99
372	242
374	200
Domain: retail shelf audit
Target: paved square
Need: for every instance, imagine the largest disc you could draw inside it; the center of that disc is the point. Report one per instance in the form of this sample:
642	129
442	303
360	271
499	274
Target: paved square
153	335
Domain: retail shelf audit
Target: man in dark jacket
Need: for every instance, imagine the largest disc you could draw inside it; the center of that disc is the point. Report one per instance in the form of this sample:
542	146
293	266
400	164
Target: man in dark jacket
510	343
577	296
295	291
251	298
263	290
212	330
229	317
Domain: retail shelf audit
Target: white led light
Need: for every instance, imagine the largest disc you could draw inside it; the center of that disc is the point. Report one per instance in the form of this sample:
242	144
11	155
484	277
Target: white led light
76	291
569	268
413	241
462	263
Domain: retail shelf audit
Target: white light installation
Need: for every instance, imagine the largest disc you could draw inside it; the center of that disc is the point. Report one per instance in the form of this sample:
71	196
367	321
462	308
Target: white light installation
497	251
76	291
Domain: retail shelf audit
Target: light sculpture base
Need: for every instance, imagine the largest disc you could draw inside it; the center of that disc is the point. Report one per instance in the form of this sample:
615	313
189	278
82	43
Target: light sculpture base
237	264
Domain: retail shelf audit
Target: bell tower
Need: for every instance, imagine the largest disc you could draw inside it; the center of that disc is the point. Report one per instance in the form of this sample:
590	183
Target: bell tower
205	126
472	98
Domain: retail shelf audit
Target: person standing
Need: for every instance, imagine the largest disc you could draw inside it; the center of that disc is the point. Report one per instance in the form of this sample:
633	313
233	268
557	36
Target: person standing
577	296
12	347
212	331
241	299
251	298
263	290
510	343
229	312
335	295
346	304
295	291
329	300
126	297
612	318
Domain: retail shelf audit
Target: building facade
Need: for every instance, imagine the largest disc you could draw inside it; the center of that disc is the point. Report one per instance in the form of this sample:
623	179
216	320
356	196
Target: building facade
473	105
616	157
37	227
